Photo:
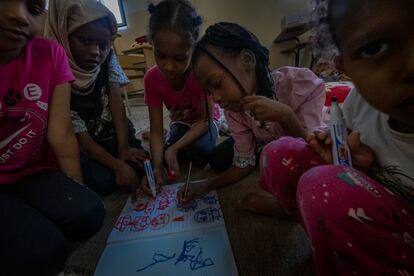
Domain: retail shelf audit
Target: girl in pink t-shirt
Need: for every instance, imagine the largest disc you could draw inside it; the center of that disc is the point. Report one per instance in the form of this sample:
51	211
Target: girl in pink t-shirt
260	105
173	30
42	200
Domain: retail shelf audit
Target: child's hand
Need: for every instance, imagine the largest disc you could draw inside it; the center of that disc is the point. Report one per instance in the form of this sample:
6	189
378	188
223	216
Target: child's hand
321	143
125	175
265	109
134	155
195	190
362	155
170	157
145	185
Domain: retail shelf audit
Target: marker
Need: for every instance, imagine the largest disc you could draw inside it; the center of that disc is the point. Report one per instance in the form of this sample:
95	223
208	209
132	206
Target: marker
150	176
187	182
340	150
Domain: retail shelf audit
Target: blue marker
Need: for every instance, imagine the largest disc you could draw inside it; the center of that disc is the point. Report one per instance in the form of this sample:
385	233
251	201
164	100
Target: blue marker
150	176
340	150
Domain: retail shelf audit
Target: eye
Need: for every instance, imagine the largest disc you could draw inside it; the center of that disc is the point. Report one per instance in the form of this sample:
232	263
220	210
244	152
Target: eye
85	40
181	59
374	49
159	55
216	84
35	9
104	45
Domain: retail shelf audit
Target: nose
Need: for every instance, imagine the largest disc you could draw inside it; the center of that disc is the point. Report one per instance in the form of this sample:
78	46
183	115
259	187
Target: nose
94	51
17	15
168	66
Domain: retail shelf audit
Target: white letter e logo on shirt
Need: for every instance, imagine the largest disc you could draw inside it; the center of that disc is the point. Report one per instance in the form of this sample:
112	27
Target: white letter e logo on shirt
32	92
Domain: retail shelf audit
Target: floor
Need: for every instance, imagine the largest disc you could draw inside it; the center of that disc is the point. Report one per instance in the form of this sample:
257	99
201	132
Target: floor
261	245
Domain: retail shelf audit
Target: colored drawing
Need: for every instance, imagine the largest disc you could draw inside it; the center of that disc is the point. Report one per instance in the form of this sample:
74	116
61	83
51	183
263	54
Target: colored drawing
191	253
208	215
158	216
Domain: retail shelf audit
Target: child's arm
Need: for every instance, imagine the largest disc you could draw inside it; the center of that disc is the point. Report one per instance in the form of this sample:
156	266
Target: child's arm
121	126
157	142
125	175
197	129
265	109
198	189
60	133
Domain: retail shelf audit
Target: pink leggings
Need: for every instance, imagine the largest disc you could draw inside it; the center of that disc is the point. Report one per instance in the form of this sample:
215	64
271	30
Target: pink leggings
356	225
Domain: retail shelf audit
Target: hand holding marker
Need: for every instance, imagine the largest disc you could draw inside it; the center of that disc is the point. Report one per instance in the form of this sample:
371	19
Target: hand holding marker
150	176
340	151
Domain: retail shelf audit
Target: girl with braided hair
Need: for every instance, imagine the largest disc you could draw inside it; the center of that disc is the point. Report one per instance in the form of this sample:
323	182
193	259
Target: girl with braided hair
260	105
173	29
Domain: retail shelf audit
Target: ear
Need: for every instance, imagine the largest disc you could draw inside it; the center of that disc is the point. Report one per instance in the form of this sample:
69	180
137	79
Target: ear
248	59
339	63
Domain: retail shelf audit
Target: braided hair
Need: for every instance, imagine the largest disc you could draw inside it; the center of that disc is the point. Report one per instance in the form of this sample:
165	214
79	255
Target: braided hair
233	38
177	15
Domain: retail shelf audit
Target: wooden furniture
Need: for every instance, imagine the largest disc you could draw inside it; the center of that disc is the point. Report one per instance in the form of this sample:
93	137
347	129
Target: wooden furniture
135	62
134	67
144	49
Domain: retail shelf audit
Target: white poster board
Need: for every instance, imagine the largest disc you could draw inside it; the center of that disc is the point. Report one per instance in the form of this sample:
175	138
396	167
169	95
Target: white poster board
155	237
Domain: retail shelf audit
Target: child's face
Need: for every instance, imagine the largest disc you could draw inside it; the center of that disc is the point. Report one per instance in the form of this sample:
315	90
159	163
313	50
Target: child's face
219	83
90	44
376	40
16	24
172	54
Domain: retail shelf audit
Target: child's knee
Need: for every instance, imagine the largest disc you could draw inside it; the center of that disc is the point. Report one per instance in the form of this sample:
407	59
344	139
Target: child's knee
321	193
277	159
284	148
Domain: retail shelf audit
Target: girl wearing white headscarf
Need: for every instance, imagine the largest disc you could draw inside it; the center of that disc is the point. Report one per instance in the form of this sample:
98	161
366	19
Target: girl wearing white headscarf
111	154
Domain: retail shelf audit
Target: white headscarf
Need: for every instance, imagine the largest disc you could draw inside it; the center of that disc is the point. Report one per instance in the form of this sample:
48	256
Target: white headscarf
64	17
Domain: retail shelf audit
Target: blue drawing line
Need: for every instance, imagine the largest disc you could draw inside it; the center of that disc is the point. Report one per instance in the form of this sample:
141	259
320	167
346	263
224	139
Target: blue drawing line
207	215
210	200
196	261
158	258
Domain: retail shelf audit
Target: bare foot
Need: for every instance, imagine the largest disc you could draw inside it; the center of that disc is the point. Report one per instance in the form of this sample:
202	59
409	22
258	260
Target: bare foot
265	205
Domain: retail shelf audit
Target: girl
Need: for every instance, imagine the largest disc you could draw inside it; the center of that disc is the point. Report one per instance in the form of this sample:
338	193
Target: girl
173	30
260	105
360	221
43	204
111	153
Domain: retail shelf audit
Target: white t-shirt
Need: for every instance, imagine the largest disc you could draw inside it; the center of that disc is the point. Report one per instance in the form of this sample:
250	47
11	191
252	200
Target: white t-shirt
394	150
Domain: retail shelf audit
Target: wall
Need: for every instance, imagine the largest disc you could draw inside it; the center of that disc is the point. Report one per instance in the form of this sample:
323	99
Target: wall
262	17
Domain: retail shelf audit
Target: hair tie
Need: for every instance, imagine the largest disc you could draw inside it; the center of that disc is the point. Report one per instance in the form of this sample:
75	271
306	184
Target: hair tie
151	8
197	21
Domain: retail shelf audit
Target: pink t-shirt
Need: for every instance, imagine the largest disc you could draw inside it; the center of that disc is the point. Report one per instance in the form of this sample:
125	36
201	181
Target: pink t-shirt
299	88
26	88
185	105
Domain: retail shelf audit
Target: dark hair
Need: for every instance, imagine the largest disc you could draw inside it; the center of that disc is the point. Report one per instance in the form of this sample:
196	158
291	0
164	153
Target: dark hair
36	7
233	38
177	15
